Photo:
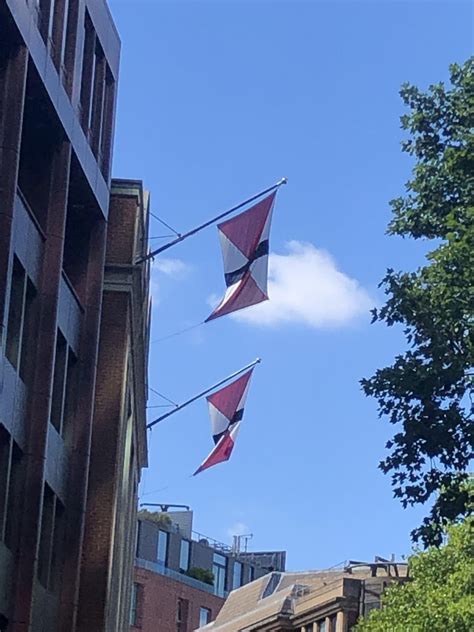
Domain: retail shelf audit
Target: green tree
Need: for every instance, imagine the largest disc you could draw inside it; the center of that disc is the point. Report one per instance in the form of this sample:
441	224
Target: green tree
439	596
203	574
427	392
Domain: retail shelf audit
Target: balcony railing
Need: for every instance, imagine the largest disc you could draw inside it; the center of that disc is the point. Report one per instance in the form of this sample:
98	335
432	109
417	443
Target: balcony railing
161	569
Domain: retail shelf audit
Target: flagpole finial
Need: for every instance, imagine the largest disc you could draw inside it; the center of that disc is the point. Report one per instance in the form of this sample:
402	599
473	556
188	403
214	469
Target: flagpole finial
282	181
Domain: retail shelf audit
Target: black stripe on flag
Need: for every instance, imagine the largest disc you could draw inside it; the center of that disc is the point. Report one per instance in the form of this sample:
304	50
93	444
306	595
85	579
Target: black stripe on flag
237	275
237	417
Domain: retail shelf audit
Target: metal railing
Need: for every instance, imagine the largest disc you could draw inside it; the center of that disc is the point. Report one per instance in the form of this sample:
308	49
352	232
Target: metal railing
214	544
161	569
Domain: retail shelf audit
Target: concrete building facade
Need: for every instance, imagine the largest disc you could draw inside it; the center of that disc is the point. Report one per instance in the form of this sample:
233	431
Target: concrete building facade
182	577
60	422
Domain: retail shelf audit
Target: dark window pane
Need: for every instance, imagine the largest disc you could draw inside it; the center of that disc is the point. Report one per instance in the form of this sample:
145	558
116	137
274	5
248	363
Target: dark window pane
182	615
15	488
58	547
272	584
88	65
28	338
46	537
106	132
251	574
70	404
98	98
59	382
4	467
15	314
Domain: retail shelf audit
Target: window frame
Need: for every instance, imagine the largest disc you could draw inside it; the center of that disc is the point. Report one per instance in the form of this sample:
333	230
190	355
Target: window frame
208	615
166	537
237	565
21	312
221	574
64	387
187	543
51	541
11	481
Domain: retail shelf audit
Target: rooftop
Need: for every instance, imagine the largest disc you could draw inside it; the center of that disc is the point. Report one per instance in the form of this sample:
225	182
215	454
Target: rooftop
283	595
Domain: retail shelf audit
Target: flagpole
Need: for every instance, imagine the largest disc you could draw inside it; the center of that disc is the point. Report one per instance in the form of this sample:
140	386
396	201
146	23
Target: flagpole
180	238
208	390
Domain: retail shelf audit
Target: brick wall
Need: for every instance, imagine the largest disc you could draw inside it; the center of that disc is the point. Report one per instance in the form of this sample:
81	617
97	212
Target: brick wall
158	603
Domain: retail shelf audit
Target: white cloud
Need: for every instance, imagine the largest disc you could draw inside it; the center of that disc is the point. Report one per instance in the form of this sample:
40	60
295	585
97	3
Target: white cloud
306	287
172	268
239	528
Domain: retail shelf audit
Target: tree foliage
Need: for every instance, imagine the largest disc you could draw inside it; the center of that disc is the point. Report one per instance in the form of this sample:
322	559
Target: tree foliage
159	517
427	392
439	596
203	574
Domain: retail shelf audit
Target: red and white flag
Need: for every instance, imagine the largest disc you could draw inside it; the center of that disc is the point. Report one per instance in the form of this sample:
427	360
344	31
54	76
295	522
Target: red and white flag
226	409
244	244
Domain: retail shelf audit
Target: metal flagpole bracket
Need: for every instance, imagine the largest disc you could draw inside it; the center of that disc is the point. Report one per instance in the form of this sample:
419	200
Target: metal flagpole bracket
180	238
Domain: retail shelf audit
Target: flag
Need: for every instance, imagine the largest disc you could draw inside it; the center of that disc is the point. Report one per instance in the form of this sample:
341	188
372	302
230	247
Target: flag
226	409
244	244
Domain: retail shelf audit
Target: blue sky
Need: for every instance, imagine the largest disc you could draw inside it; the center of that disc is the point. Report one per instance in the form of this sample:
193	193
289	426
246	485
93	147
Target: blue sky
218	100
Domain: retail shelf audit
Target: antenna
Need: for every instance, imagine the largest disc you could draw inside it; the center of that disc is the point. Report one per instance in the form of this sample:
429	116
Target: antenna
237	540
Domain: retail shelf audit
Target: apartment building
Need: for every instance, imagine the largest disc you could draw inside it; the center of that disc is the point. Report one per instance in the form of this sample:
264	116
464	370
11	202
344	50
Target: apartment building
182	577
74	319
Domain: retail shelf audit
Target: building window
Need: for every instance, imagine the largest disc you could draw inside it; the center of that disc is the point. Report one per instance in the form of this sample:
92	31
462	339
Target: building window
45	18
251	573
97	97
65	35
237	575
21	321
136	605
50	555
332	623
162	548
64	386
96	112
322	626
309	627
107	124
184	552
88	69
11	483
204	616
219	567
182	615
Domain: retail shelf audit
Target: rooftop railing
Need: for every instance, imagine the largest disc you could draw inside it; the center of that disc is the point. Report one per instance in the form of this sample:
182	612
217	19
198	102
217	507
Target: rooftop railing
161	569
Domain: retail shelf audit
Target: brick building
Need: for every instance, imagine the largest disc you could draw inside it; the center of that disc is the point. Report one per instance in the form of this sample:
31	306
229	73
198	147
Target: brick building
71	439
166	604
182	577
313	601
